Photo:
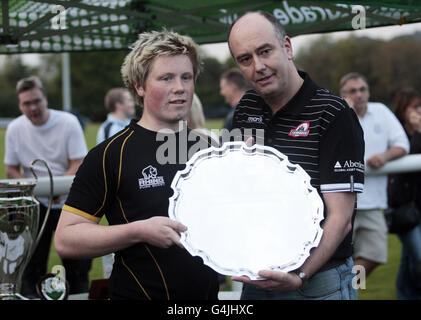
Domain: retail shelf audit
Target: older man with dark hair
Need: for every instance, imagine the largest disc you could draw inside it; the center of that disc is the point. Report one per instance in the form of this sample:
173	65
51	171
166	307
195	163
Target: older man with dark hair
316	130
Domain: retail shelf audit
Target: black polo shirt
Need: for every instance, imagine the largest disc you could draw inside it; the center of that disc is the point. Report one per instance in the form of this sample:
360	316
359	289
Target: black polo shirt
128	178
316	130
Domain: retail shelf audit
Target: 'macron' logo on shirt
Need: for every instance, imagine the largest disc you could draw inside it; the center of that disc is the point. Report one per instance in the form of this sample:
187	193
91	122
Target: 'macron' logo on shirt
300	131
255	119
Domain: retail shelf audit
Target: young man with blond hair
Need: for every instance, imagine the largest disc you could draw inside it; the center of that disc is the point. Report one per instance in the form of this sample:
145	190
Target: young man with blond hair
123	179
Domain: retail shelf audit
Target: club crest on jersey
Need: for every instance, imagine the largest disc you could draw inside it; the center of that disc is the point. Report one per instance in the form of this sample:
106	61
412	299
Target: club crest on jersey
302	130
150	178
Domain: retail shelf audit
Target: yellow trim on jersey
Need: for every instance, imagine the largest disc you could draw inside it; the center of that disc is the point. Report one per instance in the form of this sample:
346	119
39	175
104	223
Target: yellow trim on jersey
105	173
81	213
160	271
150	253
121	158
122	210
136	279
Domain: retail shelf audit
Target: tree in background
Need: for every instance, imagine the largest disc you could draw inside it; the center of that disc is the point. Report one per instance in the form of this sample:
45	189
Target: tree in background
388	65
207	88
92	75
12	71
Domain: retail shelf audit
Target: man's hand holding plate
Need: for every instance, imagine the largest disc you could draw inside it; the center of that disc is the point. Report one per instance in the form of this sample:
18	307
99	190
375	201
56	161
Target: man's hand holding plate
273	280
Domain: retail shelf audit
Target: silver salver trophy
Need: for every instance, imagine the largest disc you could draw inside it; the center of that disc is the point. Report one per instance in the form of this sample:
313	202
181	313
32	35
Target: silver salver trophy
246	209
19	236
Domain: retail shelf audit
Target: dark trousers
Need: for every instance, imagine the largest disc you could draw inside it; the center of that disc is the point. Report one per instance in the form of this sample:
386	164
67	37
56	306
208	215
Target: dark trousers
77	271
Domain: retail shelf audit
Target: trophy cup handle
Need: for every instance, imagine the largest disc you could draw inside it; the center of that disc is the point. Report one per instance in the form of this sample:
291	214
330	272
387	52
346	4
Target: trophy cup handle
50	202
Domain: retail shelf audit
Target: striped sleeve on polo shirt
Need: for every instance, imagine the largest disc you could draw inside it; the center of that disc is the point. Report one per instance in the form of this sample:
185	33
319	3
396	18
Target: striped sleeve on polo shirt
341	160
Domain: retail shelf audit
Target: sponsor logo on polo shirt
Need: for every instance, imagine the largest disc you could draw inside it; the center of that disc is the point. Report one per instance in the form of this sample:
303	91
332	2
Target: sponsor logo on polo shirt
348	166
150	178
302	130
255	119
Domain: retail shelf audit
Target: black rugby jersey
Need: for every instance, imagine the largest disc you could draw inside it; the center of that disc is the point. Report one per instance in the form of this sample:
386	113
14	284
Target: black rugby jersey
124	179
316	130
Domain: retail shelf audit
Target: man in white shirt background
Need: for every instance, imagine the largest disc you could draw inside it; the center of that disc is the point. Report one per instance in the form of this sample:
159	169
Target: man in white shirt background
385	140
56	137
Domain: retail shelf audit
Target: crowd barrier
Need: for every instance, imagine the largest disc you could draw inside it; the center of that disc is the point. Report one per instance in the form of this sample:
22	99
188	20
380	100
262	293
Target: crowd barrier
409	163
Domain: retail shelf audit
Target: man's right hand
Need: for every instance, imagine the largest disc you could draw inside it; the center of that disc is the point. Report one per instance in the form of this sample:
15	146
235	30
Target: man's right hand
160	231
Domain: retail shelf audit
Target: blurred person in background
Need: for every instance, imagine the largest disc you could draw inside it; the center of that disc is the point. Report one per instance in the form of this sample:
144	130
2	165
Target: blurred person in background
56	137
232	86
385	140
196	120
404	188
121	107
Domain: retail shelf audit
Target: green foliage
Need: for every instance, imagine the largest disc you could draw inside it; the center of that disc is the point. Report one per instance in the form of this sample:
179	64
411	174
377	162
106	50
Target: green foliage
92	75
207	86
388	65
12	70
380	284
49	71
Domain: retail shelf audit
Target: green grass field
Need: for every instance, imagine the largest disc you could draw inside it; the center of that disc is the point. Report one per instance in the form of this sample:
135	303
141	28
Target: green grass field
379	286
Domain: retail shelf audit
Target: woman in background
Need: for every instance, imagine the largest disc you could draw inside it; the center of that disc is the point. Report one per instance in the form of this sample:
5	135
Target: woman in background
196	120
404	188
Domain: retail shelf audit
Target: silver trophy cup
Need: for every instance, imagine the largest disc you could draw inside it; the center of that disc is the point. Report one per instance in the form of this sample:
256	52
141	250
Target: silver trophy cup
19	236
